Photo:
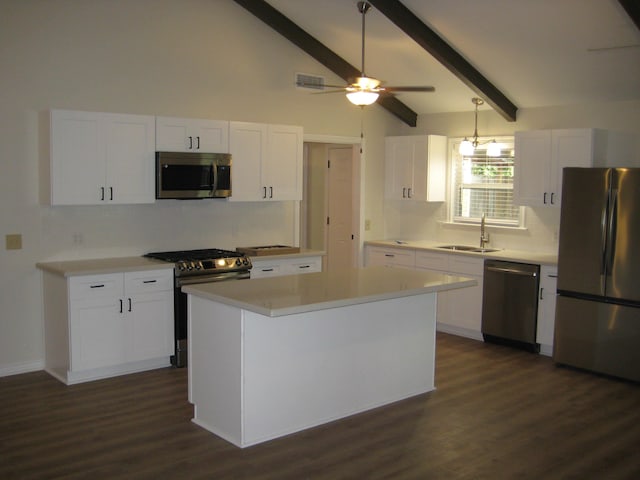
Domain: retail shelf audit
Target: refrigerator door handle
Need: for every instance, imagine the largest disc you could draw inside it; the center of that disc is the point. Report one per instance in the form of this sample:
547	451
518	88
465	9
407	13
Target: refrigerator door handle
611	231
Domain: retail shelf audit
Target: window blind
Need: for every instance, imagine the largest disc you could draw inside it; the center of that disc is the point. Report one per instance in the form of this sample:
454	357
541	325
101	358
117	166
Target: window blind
483	184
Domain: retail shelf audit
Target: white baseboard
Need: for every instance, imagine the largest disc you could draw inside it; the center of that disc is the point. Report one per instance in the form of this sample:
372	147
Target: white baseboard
18	368
459	331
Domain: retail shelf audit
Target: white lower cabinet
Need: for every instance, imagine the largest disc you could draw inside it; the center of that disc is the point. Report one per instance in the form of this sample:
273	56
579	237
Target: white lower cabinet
547	308
98	326
459	311
275	267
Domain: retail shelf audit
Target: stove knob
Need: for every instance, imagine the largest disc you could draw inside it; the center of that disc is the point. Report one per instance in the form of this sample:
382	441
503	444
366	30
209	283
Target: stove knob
181	266
238	262
245	262
198	265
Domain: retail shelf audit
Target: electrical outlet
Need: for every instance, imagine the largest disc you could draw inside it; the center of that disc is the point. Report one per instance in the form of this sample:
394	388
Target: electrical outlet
367	224
13	241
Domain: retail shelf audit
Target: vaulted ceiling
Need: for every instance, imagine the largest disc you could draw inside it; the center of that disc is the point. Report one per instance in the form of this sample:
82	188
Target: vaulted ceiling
515	53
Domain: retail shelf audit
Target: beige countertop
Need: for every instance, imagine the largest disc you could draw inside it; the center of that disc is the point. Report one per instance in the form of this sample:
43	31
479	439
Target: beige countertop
511	255
290	294
96	266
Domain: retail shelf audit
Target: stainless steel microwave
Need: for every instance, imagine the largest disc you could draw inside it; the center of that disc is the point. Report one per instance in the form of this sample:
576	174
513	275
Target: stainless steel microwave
185	175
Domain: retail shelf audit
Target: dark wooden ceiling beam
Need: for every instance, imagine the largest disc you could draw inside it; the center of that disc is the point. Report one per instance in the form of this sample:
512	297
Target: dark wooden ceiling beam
321	53
632	7
395	11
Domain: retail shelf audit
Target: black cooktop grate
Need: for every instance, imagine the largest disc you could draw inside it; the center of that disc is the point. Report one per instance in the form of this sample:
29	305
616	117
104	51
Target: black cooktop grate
191	255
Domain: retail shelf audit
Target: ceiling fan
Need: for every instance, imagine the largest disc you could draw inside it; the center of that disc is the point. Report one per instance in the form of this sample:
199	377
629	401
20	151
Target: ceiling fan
365	90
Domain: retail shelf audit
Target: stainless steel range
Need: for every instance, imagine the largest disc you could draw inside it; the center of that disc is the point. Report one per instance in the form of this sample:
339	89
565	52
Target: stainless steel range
198	266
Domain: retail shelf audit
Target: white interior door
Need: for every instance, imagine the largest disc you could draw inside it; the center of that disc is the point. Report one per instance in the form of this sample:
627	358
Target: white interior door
340	208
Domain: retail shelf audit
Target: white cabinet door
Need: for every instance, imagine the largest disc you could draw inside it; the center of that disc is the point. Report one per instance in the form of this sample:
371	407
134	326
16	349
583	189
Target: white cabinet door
540	156
390	257
130	152
546	308
149	325
77	159
282	175
175	134
415	167
569	148
97	324
248	146
99	158
148	298
398	168
267	162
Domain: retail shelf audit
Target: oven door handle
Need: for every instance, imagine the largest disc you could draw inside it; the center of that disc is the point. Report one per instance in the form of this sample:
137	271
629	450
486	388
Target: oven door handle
220	277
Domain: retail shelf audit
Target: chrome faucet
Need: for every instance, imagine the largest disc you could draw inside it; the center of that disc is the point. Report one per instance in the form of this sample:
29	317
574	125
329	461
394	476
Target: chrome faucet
484	236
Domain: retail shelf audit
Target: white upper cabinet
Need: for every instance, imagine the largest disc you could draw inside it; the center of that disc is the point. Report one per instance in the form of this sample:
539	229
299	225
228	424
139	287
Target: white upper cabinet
415	167
540	156
267	161
192	135
100	158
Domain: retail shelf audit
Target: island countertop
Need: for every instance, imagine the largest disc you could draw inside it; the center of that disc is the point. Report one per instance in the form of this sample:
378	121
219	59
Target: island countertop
291	294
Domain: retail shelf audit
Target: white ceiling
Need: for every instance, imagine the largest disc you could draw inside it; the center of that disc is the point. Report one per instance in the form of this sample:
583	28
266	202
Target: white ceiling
537	52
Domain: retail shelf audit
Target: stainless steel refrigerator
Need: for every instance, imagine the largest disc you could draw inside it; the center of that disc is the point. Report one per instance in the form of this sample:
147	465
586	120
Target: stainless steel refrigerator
597	323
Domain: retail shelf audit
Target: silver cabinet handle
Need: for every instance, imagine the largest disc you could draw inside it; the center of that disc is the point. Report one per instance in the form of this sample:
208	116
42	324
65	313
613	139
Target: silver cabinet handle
149	281
102	194
101	285
129	304
190	143
270	192
264	192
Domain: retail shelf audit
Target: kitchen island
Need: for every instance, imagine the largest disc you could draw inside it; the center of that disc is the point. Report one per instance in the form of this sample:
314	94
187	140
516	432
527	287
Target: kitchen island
273	356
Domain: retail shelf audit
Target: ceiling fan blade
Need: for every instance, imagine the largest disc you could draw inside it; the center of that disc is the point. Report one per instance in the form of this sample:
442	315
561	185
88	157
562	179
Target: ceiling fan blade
315	86
408	89
321	92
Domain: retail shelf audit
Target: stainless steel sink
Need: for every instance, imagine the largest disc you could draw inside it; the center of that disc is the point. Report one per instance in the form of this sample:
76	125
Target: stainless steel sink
462	248
468	248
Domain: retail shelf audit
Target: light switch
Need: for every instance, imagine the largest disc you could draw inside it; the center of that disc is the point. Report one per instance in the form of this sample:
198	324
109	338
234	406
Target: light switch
367	224
13	241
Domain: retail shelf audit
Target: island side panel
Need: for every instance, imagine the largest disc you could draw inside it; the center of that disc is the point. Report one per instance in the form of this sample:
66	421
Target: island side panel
215	369
303	370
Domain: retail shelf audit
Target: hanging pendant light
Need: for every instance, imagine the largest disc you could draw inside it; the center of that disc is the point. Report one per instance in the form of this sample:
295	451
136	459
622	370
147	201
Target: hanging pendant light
468	147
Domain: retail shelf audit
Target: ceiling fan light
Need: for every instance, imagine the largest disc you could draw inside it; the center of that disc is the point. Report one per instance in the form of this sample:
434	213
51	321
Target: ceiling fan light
362	97
367	83
493	149
466	147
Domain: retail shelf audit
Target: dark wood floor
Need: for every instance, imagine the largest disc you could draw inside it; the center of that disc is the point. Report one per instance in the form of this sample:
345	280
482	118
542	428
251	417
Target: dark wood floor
497	413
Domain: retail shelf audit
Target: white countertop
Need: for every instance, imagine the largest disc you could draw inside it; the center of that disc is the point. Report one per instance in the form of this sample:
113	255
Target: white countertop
286	295
97	266
502	254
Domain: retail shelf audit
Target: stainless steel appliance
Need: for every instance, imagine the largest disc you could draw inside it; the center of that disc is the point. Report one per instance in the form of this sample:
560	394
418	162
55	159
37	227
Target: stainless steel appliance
198	266
510	303
597	323
190	175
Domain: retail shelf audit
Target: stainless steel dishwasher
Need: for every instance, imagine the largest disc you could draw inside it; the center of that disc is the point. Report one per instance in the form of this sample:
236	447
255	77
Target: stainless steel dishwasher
510	303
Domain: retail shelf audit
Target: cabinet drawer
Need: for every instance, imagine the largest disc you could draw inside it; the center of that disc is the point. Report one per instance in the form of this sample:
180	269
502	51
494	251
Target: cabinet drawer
96	286
466	265
391	257
432	261
307	266
266	270
148	281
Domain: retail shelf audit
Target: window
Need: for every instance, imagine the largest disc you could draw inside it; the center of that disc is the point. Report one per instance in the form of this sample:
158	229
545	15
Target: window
482	184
